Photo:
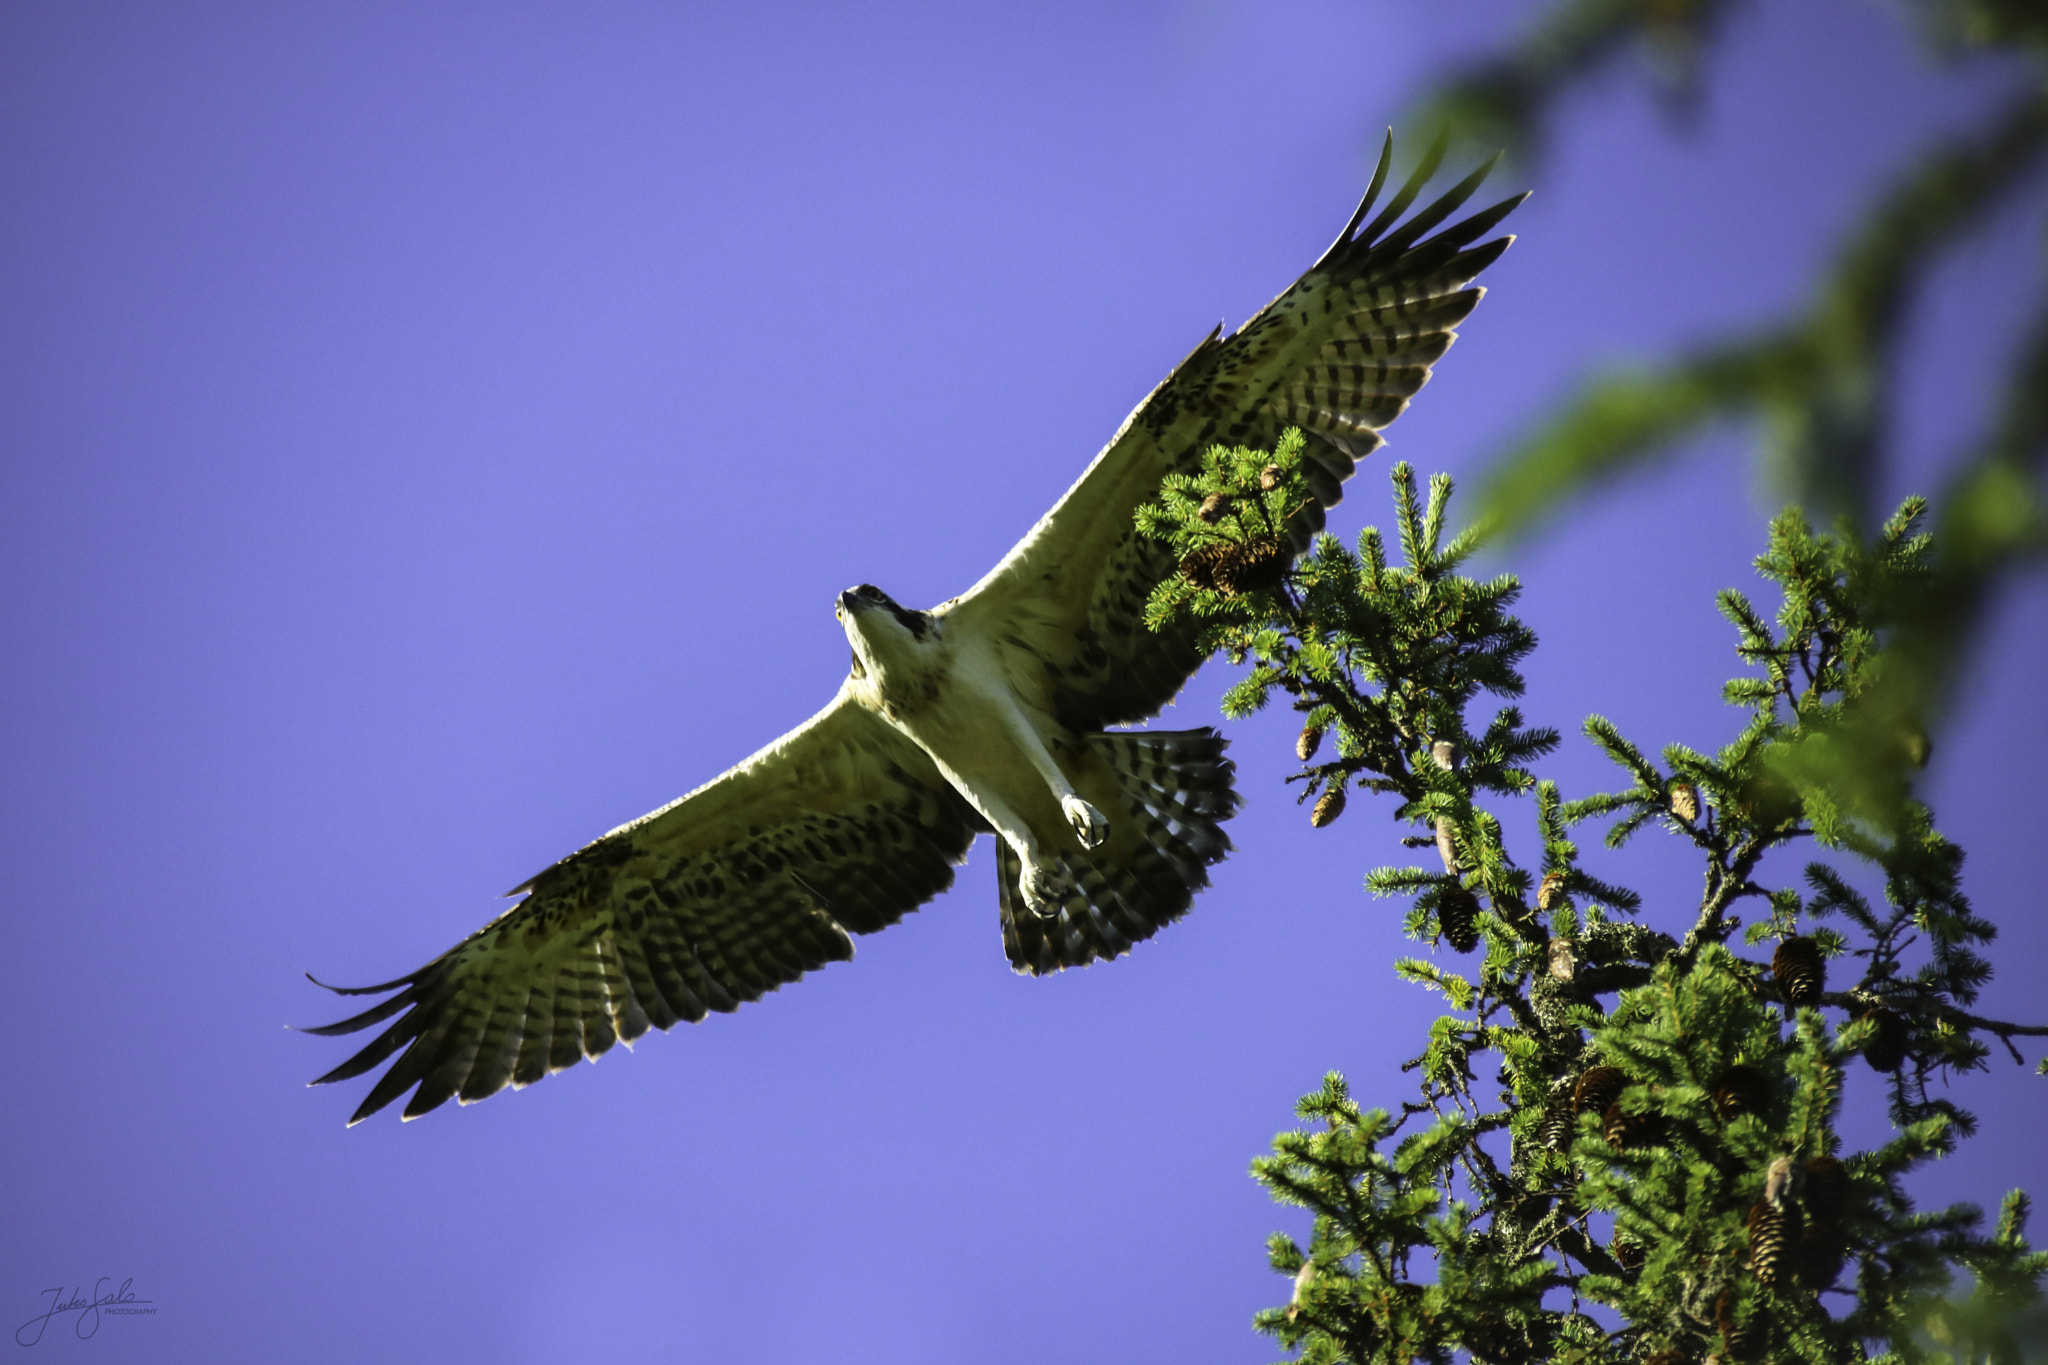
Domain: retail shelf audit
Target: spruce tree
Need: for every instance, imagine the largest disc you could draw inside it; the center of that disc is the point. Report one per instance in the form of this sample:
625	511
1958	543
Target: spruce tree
1624	1143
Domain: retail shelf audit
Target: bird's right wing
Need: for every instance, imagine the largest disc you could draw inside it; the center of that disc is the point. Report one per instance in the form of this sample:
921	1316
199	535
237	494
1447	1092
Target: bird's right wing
1338	355
840	827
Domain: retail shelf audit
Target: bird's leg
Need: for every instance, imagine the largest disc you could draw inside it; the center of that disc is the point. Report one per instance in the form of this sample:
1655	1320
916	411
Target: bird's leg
1090	825
1041	878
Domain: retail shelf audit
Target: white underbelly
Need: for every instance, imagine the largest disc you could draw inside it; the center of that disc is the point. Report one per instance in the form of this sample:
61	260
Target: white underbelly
989	748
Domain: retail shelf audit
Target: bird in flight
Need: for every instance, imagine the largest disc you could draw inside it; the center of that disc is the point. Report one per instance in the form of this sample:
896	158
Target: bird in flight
989	713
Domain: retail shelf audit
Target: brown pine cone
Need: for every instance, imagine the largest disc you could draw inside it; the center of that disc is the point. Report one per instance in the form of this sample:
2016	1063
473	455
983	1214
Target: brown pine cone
1327	808
1773	1233
1213	507
1269	478
1886	1049
1457	915
1742	1343
1445	848
1310	740
1626	1251
1742	1089
1555	1131
1260	562
1625	1131
1799	971
1550	890
1597	1088
1685	801
1822	1251
1827	1187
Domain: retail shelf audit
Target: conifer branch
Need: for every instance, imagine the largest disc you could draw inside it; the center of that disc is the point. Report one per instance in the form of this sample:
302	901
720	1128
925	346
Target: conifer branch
1710	1081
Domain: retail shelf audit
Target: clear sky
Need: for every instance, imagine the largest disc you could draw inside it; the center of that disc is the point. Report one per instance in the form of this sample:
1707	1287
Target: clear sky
431	435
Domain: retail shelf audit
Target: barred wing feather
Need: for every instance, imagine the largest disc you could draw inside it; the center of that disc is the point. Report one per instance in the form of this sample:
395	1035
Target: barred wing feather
840	827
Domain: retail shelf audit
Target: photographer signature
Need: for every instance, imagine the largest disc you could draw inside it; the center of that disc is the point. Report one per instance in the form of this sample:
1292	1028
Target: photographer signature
88	1309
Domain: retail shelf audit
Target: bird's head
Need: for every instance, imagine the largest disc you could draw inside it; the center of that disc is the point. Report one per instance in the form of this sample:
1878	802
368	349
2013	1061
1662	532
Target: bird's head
882	633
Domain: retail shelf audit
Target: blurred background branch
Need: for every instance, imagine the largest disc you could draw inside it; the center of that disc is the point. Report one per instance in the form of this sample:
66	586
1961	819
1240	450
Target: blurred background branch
1820	387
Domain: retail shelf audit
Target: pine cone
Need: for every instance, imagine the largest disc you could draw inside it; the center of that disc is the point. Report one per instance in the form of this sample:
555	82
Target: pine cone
1626	1251
1213	507
1799	971
1550	890
1311	740
1685	801
1745	1342
1598	1088
1886	1049
1555	1131
1827	1187
1445	849
1233	569
1328	807
1559	960
1666	1358
1269	478
1741	1090
1821	1253
1457	915
1262	563
1773	1231
1303	1278
1625	1131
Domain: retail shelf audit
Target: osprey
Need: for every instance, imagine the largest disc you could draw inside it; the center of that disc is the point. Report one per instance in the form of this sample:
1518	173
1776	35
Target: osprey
987	714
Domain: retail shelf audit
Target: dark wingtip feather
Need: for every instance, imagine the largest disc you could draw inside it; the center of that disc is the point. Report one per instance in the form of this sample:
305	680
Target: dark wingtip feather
356	1023
1397	206
1372	194
405	980
1445	205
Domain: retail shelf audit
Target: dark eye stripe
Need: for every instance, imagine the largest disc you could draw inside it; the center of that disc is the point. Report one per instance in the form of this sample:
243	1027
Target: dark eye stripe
916	622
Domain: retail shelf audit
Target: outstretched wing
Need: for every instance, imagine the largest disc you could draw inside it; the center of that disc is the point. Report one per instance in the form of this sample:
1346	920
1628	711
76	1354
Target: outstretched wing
1338	355
840	827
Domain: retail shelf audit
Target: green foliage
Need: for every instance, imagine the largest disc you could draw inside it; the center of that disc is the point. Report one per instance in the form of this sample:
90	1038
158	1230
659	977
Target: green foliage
1625	1144
1820	385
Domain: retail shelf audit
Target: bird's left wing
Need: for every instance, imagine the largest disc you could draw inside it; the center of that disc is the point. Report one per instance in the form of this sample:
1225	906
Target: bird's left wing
1339	354
840	827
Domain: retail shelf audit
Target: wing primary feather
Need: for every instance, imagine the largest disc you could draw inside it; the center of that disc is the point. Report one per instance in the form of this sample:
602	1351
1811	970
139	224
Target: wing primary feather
1372	193
1480	223
1449	202
1431	159
359	990
357	1023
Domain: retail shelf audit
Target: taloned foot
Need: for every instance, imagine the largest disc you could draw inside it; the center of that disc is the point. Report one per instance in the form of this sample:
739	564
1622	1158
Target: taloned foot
1091	826
1045	889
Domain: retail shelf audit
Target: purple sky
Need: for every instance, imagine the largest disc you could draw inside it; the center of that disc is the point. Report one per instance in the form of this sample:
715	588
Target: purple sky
433	435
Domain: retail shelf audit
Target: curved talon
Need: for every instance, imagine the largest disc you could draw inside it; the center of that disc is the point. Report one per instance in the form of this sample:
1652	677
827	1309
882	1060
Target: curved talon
1091	826
1045	888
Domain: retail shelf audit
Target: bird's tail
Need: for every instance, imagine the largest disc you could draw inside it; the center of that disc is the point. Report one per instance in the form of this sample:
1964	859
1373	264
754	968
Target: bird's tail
1176	793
